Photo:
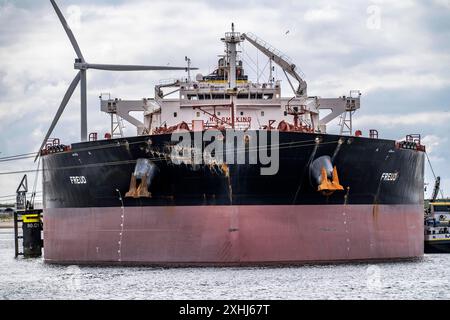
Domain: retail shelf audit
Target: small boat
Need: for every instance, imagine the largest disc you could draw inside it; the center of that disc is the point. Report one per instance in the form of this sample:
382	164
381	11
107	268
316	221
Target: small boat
437	227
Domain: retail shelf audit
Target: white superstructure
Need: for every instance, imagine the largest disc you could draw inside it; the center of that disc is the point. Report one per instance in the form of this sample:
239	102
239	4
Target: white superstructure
226	98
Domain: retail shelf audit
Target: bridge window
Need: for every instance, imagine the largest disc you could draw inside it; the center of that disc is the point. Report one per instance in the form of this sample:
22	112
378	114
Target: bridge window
175	114
262	113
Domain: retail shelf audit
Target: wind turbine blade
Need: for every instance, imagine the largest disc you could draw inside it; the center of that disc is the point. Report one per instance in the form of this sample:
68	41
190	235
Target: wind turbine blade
68	31
64	102
118	67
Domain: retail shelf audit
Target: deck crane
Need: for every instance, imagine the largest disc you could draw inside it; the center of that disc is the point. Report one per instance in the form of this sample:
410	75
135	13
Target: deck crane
343	107
282	60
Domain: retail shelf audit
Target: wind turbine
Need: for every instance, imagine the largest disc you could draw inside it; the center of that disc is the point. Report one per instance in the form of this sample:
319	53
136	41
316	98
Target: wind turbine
83	66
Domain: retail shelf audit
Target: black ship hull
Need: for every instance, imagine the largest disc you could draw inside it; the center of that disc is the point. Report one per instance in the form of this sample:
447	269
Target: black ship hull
107	167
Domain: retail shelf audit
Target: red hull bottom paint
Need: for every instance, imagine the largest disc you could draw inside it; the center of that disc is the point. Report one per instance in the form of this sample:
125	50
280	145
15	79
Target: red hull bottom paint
233	235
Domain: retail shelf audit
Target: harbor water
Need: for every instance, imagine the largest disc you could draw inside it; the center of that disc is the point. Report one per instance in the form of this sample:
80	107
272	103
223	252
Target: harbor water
428	278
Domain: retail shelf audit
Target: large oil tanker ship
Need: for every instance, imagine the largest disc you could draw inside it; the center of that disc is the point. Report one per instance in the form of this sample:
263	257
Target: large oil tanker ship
230	173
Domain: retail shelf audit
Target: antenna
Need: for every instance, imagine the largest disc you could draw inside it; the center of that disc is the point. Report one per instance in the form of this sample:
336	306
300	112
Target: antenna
231	39
188	60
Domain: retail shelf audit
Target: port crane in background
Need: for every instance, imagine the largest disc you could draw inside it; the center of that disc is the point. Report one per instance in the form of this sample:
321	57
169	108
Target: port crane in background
437	184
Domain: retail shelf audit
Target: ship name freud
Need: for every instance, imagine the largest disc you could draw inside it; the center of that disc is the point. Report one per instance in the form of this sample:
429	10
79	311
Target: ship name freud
78	180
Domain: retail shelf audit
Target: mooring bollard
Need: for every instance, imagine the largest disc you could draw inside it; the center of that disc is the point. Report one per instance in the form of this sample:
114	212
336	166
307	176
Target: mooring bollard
32	240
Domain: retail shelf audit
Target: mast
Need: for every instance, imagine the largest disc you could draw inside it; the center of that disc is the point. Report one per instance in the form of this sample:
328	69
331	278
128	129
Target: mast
188	60
231	40
271	71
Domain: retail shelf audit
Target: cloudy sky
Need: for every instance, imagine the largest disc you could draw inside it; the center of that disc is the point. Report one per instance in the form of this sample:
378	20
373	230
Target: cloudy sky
396	52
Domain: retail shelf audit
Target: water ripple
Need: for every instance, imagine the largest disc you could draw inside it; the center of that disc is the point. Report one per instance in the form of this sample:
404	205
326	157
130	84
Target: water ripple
33	279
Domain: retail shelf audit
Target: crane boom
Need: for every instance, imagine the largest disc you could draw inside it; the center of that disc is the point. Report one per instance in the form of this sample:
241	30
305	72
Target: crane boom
280	59
436	189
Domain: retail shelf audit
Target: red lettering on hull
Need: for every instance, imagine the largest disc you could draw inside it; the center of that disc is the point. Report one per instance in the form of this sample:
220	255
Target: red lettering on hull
228	119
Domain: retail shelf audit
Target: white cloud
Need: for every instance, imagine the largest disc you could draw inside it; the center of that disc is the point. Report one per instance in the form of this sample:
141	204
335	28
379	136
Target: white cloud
320	15
431	141
74	17
444	3
445	187
405	119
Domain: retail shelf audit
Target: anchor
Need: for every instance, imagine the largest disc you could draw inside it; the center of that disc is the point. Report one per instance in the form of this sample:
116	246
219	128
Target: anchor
144	171
324	176
327	186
